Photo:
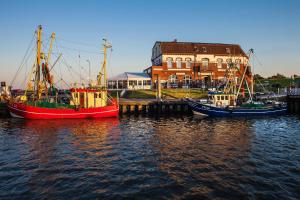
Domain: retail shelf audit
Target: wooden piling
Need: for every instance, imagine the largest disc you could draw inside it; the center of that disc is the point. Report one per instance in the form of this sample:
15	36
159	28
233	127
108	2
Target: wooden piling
153	106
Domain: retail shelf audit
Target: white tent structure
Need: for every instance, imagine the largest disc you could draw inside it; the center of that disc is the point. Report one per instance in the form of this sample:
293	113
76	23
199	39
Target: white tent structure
130	81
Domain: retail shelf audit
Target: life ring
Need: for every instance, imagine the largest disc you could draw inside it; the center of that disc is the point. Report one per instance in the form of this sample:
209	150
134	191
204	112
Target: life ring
219	103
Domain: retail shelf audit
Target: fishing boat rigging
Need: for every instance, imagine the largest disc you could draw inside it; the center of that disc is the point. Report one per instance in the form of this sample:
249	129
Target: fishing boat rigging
42	102
233	100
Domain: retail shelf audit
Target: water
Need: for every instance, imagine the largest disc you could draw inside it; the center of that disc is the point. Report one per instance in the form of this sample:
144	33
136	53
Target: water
150	158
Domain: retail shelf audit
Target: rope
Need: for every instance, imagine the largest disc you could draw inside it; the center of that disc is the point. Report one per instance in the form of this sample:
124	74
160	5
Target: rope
23	60
80	50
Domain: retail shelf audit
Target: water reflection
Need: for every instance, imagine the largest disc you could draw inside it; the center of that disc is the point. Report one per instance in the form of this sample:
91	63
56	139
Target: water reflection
141	157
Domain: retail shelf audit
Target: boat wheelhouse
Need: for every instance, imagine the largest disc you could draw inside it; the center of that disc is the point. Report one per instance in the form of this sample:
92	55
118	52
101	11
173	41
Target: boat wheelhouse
222	100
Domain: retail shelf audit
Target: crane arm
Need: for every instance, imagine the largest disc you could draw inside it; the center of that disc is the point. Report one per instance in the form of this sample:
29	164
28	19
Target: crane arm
50	48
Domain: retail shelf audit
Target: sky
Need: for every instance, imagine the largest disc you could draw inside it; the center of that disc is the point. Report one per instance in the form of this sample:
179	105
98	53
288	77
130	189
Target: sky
270	27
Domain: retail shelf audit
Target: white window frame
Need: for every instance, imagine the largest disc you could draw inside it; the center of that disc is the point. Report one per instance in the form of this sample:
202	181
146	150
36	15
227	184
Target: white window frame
219	63
205	60
173	78
170	62
188	63
179	63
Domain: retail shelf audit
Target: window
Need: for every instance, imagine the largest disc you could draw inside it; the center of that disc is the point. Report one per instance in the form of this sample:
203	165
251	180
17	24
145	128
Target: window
132	83
238	63
222	98
169	62
140	82
187	79
218	97
178	62
205	63
146	82
226	97
219	62
188	62
227	50
204	49
173	78
95	95
229	62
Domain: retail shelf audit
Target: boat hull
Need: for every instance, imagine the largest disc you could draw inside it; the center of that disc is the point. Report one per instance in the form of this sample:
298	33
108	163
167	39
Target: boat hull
204	109
21	110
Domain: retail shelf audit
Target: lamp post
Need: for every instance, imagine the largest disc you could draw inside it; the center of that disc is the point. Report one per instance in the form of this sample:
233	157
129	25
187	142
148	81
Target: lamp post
89	71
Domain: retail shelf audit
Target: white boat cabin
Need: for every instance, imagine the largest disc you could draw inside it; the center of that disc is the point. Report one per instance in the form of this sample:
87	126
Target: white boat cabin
222	100
88	98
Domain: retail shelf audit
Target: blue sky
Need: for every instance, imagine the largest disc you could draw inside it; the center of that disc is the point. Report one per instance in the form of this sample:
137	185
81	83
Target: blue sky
271	28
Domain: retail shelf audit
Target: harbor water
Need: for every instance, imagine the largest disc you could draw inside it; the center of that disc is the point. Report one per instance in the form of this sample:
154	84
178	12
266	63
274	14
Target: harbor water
140	157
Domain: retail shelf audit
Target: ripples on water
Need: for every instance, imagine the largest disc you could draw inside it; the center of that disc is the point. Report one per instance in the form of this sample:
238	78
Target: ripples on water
142	157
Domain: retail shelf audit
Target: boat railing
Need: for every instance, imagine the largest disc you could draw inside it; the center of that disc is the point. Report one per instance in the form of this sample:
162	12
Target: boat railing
293	91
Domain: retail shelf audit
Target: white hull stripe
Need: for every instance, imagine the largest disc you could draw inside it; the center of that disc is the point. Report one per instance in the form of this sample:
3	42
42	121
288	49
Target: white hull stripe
15	115
68	114
236	112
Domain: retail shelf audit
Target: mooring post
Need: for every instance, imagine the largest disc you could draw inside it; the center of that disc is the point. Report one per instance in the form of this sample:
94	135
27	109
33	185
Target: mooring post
158	88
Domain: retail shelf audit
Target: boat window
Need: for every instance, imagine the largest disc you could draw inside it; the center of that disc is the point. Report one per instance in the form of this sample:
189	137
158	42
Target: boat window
222	97
226	97
95	95
218	97
76	95
99	95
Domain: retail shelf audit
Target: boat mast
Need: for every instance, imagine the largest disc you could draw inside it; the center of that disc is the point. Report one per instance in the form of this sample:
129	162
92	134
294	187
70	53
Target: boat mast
245	78
102	77
38	63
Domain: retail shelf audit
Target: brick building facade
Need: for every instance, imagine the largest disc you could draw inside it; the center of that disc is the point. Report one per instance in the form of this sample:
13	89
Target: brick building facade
180	64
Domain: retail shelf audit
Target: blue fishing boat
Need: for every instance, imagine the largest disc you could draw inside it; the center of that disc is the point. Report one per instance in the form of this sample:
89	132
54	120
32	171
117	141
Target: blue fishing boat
233	100
210	109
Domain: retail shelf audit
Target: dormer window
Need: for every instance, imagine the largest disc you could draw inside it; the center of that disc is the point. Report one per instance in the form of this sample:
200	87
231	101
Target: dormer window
227	50
204	49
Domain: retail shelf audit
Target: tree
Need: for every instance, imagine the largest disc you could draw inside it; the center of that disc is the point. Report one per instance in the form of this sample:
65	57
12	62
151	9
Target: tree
277	76
258	77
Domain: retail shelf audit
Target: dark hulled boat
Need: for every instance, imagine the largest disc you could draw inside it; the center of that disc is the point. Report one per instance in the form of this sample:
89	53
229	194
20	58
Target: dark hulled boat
232	102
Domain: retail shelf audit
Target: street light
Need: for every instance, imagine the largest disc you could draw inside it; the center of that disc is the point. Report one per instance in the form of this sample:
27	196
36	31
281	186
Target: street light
89	71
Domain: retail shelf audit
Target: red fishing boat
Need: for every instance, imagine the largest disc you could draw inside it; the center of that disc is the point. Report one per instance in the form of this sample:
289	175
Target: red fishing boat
43	101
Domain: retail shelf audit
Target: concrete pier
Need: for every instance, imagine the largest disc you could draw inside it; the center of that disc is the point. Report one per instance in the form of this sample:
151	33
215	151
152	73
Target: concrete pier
153	106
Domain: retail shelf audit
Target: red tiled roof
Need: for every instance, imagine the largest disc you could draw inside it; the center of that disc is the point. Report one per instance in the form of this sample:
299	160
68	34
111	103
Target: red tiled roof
203	48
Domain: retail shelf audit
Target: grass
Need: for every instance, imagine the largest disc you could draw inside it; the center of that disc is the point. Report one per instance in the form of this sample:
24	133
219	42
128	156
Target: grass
273	84
166	94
